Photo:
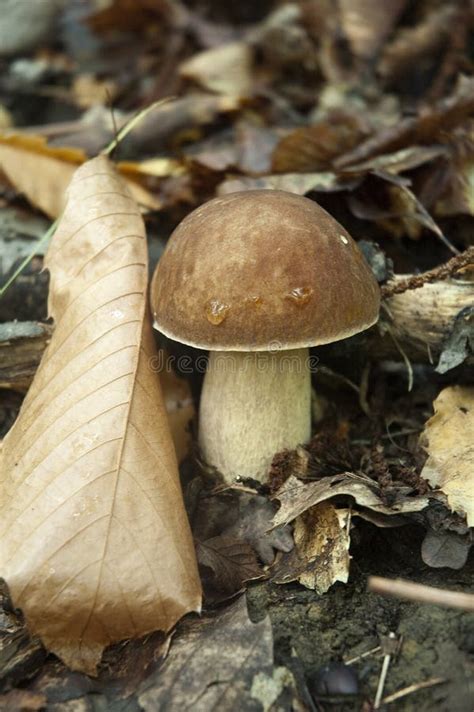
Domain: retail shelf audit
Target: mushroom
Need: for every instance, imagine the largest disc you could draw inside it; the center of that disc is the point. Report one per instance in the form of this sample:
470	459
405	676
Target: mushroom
256	278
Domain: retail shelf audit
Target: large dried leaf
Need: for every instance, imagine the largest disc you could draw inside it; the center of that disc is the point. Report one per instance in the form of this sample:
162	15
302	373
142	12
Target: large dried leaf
43	172
449	441
95	543
22	344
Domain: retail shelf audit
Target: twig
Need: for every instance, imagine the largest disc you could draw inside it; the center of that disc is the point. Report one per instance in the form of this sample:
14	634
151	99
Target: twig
413	688
398	588
383	676
444	271
367	653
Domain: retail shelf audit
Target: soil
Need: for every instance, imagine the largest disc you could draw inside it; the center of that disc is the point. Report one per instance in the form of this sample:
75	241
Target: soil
347	621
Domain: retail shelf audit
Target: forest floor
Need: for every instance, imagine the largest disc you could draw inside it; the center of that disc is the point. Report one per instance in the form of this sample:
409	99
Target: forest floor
369	112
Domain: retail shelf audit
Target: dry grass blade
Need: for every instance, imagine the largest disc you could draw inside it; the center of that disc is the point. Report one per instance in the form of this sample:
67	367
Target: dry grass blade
95	542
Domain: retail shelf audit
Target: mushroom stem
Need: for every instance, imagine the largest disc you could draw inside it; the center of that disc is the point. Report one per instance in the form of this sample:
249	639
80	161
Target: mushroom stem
253	405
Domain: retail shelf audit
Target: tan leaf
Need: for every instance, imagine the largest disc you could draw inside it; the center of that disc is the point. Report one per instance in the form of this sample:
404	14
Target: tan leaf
95	543
44	172
226	69
449	441
321	553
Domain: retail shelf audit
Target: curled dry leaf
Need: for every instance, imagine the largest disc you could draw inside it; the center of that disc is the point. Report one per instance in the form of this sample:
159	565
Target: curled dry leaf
321	553
43	172
296	496
96	545
449	440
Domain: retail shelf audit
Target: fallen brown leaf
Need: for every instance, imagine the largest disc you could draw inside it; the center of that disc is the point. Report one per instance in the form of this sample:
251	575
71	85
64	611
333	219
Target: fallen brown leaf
96	545
312	148
321	553
231	561
254	526
44	172
212	664
449	440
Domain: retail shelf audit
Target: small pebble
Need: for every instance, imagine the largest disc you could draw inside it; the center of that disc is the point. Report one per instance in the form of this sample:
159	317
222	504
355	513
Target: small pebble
334	679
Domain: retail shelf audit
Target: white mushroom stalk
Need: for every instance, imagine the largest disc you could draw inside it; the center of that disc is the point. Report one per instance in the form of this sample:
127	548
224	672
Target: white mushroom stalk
254	405
256	278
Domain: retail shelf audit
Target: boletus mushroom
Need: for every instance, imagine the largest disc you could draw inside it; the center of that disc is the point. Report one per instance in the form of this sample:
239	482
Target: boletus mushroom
256	278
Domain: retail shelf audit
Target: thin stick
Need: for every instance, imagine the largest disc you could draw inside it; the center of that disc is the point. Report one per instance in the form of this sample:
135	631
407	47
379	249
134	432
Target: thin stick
398	588
383	677
444	271
413	688
372	651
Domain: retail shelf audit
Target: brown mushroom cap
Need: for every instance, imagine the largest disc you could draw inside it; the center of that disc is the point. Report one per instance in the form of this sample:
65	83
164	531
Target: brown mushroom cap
262	270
